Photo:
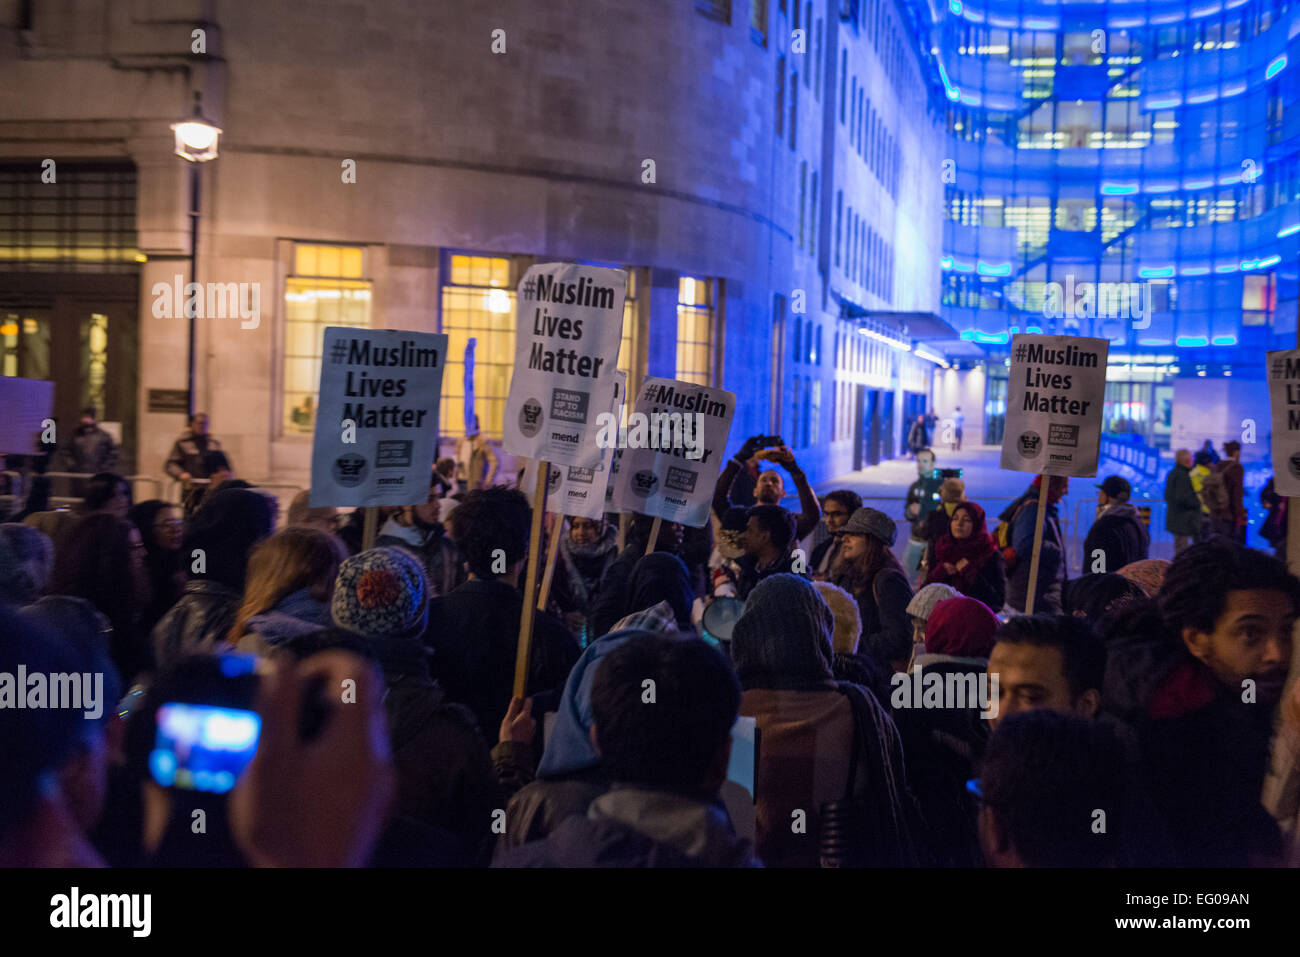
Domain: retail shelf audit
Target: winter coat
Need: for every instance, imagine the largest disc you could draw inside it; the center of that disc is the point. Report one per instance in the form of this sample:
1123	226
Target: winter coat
580	572
944	747
751	574
437	553
1120	535
474	633
1204	753
444	774
886	629
187	455
1051	562
639	827
295	615
198	623
91	451
1182	504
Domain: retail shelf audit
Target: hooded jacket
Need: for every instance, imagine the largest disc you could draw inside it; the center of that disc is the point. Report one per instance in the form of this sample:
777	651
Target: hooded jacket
569	775
1203	753
1120	535
639	827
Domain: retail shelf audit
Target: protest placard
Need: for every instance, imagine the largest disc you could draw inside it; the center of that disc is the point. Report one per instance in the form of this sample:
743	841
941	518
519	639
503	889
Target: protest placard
570	326
377	425
1055	396
672	446
27	404
1284	398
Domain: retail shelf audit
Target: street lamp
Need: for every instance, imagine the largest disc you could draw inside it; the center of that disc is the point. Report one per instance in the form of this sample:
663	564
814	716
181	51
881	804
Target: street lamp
196	143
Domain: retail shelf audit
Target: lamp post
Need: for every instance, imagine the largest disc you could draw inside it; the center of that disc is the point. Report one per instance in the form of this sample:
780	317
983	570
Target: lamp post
196	143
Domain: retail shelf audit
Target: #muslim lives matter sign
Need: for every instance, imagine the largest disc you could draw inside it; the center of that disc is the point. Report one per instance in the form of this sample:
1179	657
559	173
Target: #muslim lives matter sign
570	326
377	420
1055	397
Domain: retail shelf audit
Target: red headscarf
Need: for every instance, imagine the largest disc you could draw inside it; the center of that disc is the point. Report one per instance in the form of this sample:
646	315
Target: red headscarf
962	627
976	548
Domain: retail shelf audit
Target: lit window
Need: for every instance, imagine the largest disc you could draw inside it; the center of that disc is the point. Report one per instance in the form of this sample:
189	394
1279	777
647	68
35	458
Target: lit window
325	289
695	330
478	301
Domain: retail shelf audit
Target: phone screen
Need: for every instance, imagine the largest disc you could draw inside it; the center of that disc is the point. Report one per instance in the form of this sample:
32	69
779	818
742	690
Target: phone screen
203	747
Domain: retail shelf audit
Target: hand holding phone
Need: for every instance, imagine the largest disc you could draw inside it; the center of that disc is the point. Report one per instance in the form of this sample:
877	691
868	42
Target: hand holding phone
322	801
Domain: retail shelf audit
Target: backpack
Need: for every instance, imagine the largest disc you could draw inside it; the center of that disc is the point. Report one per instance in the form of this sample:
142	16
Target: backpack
1214	491
1002	535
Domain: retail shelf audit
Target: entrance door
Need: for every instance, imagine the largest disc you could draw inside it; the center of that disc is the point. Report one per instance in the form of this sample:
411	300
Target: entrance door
886	425
86	342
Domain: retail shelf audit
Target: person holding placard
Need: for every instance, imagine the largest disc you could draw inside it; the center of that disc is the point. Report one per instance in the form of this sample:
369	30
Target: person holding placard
1051	568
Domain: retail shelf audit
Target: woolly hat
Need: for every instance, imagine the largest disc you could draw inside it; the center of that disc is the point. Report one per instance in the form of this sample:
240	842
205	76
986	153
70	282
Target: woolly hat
962	627
26	558
783	640
848	617
381	593
923	601
873	522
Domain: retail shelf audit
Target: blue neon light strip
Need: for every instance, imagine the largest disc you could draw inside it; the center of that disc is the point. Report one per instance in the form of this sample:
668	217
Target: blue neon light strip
1155	272
1190	341
1276	67
1224	340
985	269
1288	230
1118	189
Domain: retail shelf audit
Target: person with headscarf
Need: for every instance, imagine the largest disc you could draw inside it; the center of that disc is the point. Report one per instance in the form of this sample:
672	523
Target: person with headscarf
658	577
813	731
586	551
943	745
919	609
222	534
966	557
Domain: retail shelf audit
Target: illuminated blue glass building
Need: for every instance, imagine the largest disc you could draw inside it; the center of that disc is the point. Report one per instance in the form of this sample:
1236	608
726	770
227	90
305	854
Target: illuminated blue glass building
1129	171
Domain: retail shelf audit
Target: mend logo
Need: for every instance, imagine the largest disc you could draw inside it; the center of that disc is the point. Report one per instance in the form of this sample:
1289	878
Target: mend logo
132	911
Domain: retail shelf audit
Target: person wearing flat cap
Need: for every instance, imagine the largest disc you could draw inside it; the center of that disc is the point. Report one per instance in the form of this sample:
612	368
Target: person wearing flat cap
868	570
1117	538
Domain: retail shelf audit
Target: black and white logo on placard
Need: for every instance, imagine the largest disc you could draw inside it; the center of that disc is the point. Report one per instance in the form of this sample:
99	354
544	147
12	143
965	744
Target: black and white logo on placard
1029	444
530	417
350	469
644	483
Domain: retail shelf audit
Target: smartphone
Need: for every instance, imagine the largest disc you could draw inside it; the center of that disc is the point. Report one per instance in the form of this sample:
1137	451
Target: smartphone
206	730
203	747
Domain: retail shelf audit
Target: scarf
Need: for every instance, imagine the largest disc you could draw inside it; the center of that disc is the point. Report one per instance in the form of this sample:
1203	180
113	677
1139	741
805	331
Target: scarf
595	557
976	548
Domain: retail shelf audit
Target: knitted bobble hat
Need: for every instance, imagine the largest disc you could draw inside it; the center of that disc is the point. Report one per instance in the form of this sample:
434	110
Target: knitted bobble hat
381	593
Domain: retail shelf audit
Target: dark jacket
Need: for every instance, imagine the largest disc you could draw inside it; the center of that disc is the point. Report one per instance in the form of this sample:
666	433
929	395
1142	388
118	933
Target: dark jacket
580	573
535	811
1234	477
445	776
437	553
91	450
886	629
639	827
474	634
1204	753
199	622
1182	504
989	584
751	574
611	599
187	455
925	493
1051	567
1120	535
944	747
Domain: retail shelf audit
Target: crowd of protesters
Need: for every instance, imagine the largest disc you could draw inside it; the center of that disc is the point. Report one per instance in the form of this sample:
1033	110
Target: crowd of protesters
1153	691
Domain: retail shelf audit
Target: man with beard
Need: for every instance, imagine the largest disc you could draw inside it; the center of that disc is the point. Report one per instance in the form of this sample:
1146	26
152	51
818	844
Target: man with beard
922	499
770	487
1199	686
417	529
